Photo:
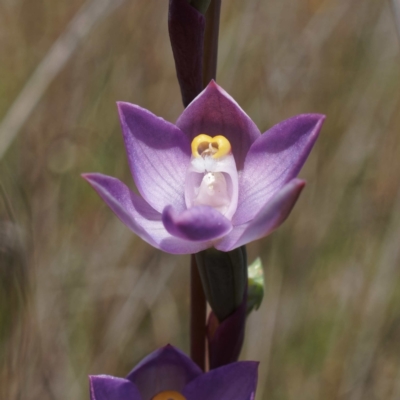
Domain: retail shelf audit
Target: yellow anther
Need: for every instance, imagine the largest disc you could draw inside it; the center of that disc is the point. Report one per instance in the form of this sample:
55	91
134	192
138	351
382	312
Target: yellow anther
169	395
216	147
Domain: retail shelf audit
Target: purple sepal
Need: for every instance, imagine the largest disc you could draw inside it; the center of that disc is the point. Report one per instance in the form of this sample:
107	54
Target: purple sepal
158	155
215	112
273	160
138	216
186	32
104	387
165	369
225	339
236	381
270	217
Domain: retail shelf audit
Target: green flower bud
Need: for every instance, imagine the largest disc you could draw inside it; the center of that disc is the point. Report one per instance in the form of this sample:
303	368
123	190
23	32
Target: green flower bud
255	291
224	279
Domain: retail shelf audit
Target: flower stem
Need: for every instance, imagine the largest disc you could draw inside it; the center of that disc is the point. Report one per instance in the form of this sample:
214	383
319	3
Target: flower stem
210	54
197	316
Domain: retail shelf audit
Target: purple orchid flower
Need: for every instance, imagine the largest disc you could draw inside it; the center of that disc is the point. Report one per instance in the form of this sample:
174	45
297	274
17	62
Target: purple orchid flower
212	179
168	374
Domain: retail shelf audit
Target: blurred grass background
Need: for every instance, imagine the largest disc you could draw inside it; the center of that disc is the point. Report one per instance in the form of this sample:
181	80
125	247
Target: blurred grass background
80	294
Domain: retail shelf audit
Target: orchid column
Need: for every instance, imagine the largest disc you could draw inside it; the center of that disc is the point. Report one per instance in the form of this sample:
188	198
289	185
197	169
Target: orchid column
193	27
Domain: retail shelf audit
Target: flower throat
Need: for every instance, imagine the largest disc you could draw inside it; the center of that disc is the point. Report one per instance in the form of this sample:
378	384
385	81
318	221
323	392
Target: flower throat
211	179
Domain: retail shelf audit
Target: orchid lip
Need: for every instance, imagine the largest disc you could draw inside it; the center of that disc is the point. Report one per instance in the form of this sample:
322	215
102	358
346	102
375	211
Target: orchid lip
212	178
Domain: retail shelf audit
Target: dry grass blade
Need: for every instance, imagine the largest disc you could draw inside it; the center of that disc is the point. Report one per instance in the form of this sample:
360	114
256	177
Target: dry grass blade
396	15
53	62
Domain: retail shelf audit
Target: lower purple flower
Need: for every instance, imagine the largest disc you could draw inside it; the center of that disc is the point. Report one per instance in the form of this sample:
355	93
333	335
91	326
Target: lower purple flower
168	374
211	180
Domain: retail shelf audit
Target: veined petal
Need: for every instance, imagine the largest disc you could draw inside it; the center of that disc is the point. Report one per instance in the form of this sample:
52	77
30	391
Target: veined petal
273	160
103	387
215	112
271	215
236	381
199	223
158	154
138	216
164	369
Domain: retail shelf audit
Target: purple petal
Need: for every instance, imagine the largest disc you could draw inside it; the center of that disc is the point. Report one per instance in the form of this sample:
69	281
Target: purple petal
138	216
103	387
200	223
215	112
186	31
273	160
164	369
237	381
225	339
273	214
158	155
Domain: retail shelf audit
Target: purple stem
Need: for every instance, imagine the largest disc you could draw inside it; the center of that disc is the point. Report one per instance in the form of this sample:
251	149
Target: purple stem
198	310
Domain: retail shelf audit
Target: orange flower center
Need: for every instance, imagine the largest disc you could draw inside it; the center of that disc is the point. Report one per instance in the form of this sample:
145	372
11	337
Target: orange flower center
169	395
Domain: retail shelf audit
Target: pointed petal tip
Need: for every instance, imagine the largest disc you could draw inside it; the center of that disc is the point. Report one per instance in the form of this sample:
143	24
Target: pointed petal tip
299	182
296	185
98	377
318	119
213	85
166	351
166	368
92	177
253	364
121	103
315	115
88	176
252	367
169	346
123	107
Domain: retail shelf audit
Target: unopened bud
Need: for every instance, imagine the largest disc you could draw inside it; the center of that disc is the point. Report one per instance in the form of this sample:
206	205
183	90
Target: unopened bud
255	291
224	279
